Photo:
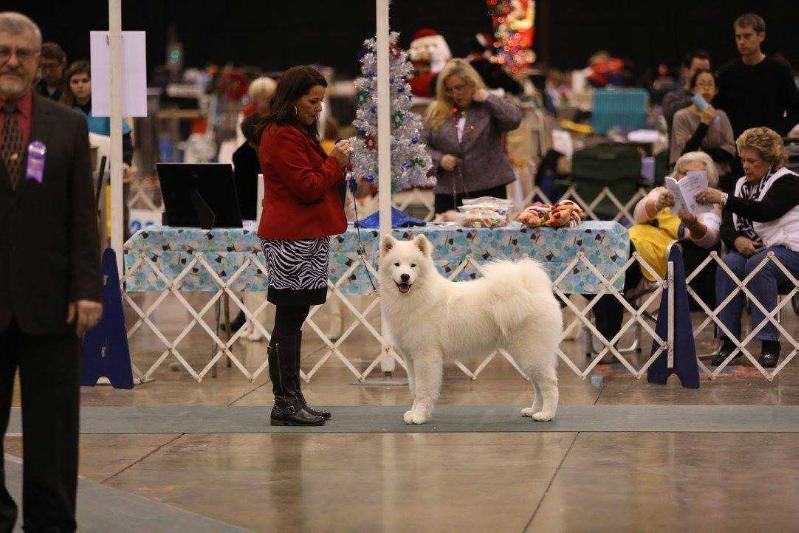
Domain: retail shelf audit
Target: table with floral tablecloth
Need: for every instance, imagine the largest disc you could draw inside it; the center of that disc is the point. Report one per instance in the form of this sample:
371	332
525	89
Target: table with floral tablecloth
604	244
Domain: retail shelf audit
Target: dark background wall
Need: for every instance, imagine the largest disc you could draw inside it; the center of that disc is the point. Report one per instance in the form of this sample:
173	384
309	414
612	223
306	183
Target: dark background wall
275	34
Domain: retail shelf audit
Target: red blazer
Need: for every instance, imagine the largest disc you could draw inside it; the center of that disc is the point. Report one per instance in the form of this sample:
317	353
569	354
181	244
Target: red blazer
301	198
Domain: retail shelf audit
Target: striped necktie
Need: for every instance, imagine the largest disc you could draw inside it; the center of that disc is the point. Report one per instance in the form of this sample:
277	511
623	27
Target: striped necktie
11	149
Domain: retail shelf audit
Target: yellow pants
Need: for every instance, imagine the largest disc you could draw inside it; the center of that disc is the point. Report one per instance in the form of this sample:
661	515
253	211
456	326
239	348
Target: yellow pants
652	241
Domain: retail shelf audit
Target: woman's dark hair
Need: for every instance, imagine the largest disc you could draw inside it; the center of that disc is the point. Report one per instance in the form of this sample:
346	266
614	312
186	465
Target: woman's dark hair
77	67
695	77
293	85
250	127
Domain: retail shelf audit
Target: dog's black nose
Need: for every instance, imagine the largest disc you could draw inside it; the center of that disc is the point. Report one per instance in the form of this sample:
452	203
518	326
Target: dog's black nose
405	278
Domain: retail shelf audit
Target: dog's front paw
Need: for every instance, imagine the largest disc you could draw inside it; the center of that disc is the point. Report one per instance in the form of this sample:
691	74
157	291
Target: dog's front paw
529	411
415	417
543	416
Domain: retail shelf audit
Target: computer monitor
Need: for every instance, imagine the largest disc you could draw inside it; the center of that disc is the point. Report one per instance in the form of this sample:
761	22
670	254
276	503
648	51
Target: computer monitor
201	195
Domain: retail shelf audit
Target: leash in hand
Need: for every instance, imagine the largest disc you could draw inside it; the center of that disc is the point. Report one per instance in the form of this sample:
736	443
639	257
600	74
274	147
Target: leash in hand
360	248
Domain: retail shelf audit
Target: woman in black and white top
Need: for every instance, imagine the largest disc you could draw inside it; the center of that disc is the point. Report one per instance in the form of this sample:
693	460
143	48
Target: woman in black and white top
761	217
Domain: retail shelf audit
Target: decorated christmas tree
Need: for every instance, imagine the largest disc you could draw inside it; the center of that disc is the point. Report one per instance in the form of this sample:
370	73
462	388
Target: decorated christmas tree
410	161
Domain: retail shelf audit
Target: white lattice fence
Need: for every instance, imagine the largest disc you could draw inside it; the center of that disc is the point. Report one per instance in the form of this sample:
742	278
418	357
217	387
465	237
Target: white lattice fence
338	349
770	316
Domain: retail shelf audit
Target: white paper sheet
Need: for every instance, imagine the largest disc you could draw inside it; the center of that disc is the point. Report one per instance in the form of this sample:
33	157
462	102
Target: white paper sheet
685	191
134	74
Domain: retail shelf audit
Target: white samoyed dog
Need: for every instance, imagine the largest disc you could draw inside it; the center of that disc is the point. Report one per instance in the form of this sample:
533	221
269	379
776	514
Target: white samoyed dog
431	319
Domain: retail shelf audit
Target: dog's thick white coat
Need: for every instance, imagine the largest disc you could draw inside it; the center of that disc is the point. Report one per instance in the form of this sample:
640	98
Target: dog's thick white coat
511	307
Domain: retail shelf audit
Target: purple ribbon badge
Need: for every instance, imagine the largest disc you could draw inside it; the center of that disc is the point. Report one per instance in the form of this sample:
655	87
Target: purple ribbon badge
36	152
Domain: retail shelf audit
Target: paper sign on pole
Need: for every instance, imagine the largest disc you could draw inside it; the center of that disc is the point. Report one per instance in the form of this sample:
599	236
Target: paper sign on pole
134	75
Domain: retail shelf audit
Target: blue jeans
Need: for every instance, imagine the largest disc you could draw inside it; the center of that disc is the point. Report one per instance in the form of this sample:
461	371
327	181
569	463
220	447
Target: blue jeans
763	285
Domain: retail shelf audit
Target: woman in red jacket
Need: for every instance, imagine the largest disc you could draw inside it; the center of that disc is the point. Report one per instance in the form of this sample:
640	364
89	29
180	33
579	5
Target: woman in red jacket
302	208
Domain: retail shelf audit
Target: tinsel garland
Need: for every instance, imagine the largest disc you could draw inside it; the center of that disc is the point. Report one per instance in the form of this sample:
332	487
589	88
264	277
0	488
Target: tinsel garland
410	161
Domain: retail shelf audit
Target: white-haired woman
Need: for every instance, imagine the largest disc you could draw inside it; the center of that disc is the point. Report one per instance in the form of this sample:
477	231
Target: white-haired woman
656	227
762	216
259	93
463	133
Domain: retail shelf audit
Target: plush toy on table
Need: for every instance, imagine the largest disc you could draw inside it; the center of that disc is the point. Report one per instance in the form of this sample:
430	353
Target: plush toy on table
429	53
563	213
535	216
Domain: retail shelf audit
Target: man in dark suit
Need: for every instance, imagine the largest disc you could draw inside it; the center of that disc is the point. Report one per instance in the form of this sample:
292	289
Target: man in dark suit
49	278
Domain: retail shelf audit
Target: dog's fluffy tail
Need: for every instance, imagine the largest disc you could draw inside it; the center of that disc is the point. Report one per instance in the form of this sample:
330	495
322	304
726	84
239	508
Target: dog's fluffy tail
525	291
526	273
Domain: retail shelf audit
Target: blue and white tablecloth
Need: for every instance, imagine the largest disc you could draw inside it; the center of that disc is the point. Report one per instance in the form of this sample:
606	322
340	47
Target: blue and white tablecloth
605	245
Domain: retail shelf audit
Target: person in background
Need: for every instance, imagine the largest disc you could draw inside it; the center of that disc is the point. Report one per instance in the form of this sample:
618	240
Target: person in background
663	84
656	227
78	95
52	63
760	217
557	90
330	134
302	209
50	281
680	98
494	76
259	93
246	167
604	70
463	130
756	90
709	130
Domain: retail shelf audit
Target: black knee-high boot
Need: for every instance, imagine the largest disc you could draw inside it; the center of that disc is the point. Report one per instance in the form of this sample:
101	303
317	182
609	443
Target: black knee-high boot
288	409
316	412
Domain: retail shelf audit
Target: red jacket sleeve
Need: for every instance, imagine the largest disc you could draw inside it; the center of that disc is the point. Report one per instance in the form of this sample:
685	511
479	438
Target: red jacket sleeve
290	161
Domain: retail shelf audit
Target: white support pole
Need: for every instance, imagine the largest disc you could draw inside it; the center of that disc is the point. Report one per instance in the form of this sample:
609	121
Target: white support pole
384	142
117	200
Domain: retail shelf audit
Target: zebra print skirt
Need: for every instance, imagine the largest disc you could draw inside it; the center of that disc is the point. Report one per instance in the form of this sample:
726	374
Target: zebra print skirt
297	270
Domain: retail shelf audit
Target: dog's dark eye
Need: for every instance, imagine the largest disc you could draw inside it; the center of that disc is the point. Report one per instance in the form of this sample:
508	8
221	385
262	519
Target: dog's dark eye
413	265
396	264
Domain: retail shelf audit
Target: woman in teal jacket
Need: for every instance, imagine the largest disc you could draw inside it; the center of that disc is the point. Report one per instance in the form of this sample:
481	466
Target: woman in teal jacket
79	97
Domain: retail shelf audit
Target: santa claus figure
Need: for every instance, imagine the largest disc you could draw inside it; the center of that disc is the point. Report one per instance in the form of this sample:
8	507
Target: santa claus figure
429	53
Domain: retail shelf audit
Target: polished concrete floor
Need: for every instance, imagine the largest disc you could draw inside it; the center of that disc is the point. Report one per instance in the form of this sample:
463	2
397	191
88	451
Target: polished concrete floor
612	481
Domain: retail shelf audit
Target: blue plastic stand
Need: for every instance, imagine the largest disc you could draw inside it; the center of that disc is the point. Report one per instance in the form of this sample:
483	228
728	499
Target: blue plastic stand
685	365
105	346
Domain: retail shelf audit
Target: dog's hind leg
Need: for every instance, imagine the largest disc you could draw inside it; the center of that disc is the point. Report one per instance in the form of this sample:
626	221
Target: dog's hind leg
427	374
537	401
527	360
546	381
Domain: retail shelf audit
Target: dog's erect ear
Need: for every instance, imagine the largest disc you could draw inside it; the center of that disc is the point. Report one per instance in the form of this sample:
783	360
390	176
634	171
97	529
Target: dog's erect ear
423	244
387	244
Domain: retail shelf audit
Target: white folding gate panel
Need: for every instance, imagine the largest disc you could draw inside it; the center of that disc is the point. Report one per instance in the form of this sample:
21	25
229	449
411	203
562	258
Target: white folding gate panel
635	315
336	348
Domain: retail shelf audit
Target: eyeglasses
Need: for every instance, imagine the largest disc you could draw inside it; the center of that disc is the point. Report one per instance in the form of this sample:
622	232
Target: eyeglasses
456	89
47	66
24	55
